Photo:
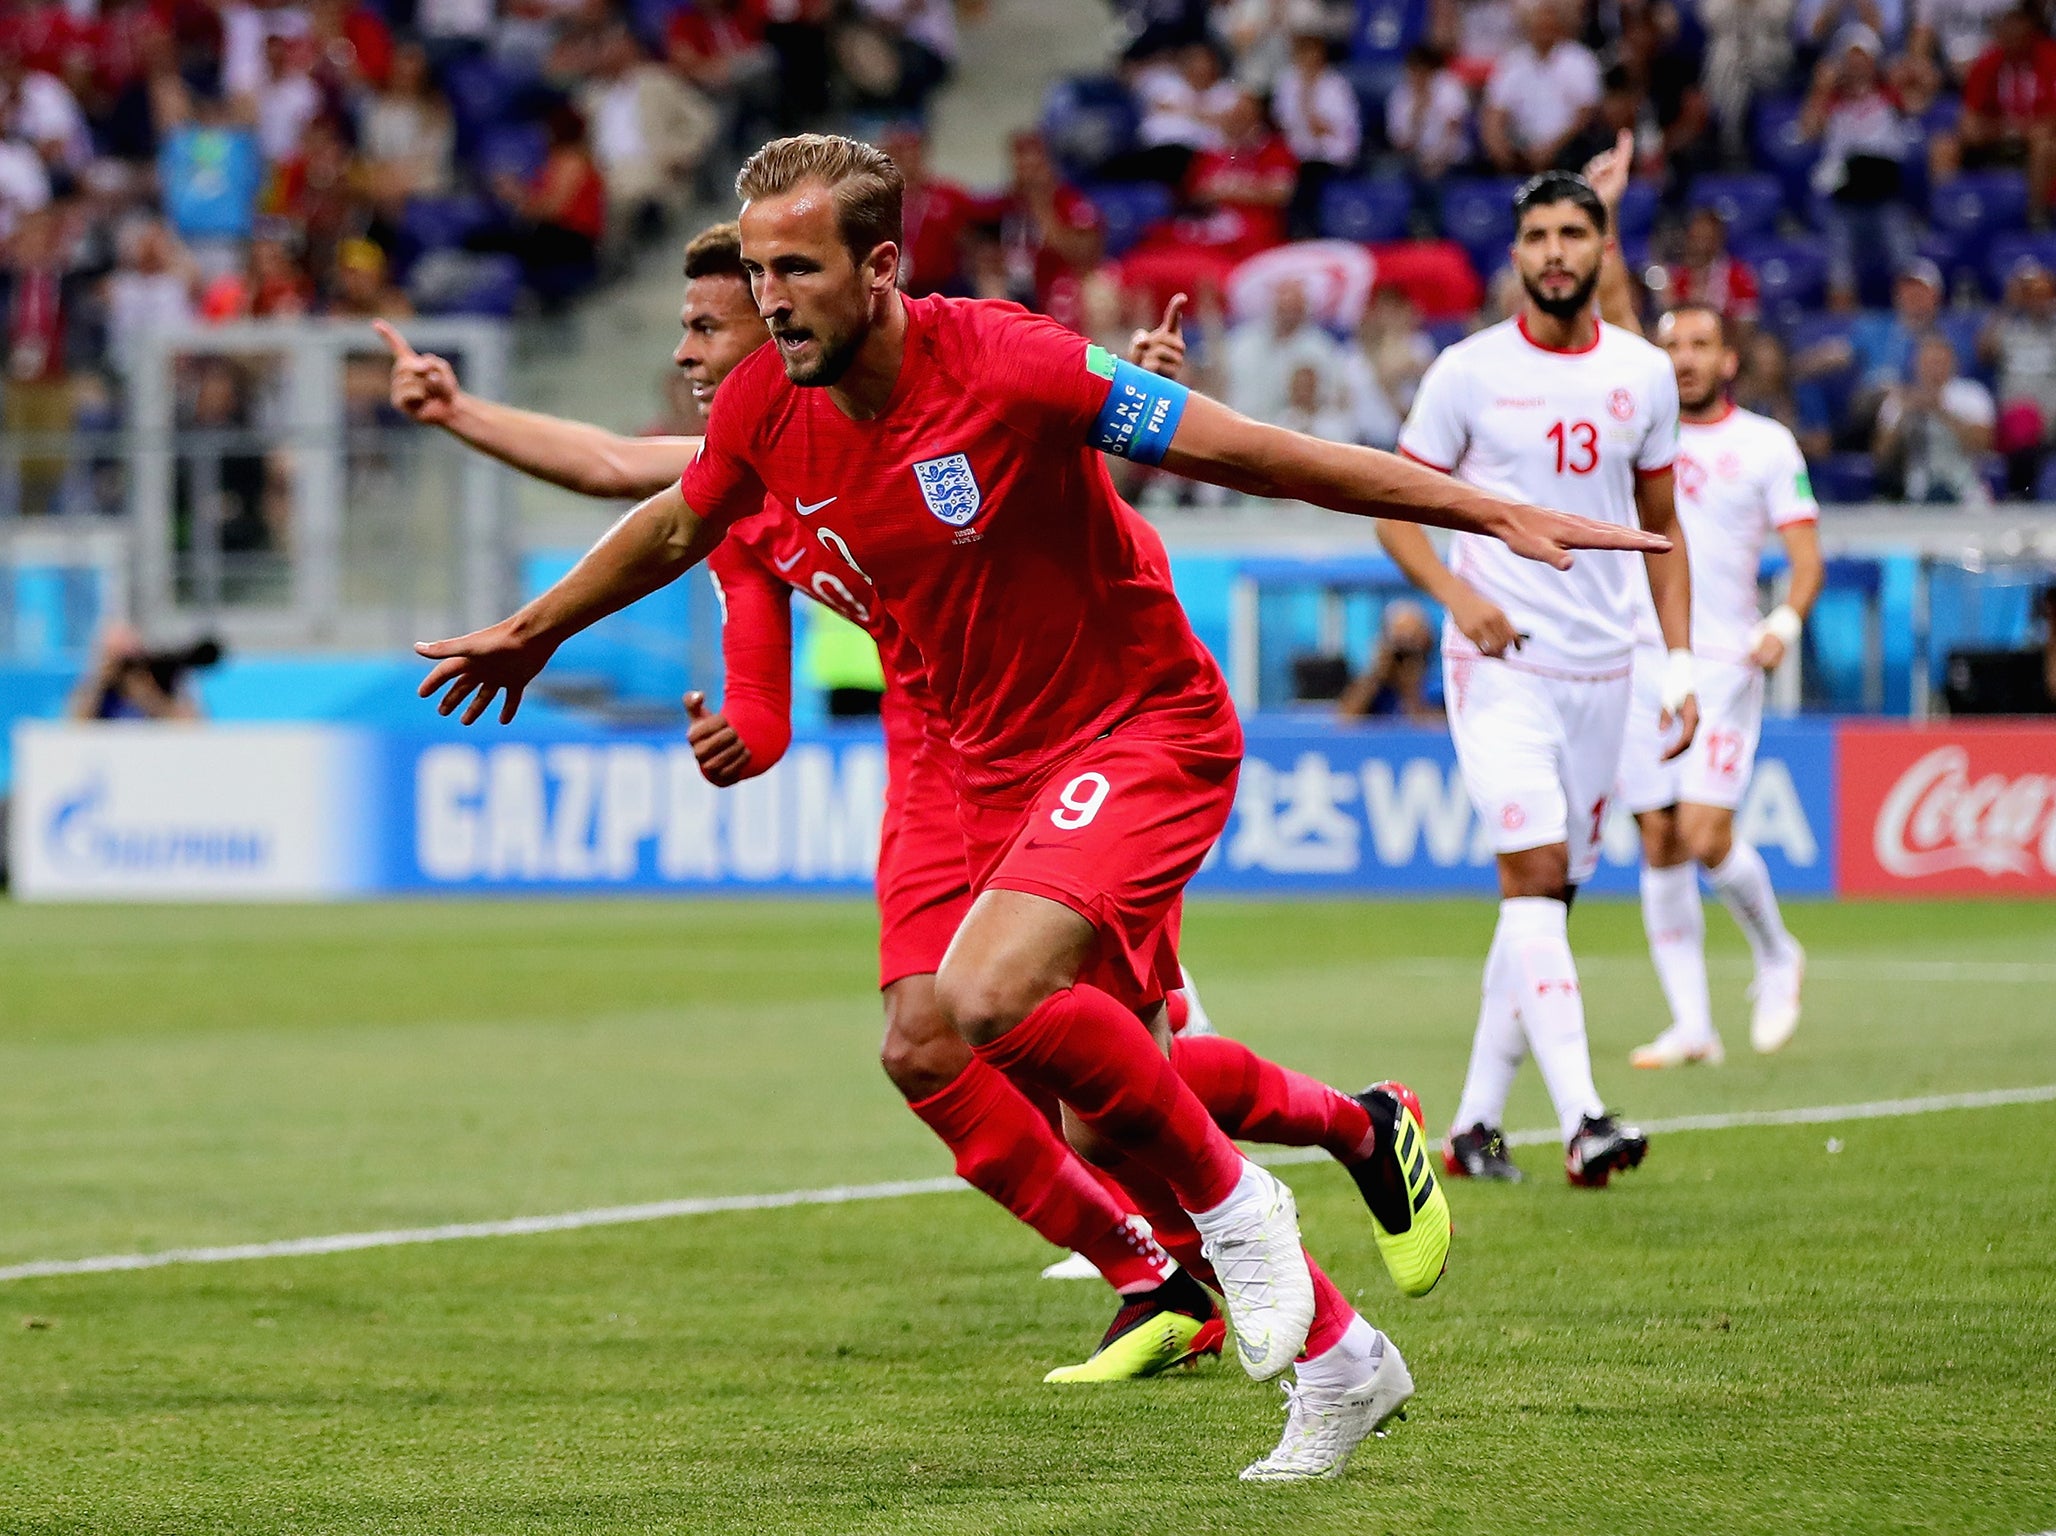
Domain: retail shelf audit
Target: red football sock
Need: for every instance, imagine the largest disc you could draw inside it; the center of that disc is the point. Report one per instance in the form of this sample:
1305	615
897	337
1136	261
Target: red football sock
1136	1186
1259	1100
1096	1056
1007	1149
1178	1008
1332	1314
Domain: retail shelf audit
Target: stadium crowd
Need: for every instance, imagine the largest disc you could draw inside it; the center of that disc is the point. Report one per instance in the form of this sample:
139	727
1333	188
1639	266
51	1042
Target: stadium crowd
173	160
1861	185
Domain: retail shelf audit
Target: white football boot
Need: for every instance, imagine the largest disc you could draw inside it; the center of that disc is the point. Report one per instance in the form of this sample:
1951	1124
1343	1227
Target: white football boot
1675	1048
1775	994
1324	1425
1252	1240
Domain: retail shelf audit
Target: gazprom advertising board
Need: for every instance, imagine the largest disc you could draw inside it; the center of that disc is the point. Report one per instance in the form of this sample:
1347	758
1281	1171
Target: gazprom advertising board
211	813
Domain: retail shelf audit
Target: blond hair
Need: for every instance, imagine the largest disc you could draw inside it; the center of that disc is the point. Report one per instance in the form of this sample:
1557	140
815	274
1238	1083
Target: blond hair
866	186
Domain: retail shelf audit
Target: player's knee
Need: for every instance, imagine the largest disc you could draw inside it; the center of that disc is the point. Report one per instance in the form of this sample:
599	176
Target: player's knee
1710	840
983	1002
921	1053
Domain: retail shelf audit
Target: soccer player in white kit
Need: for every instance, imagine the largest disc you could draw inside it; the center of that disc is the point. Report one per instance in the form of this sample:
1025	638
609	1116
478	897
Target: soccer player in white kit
1557	408
1740	477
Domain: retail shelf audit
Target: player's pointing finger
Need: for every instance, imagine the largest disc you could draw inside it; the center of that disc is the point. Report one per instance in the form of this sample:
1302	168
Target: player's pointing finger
1174	314
401	350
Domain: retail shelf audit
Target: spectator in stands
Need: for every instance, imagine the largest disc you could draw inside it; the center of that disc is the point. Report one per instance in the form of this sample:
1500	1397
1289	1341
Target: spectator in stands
39	110
1764	385
352	46
2019	346
921	36
361	289
123	686
152	286
1316	408
650	129
1428	115
1880	348
1317	111
407	135
1664	70
1706	273
1395	685
24	184
719	47
1236	193
454	28
1955	32
1748	52
1262	356
1050	233
1817	26
1382	371
1864	139
1543	95
1184	100
286	99
1477	34
320	193
935	215
210	171
1258	34
39	295
2009	111
558	217
1934	431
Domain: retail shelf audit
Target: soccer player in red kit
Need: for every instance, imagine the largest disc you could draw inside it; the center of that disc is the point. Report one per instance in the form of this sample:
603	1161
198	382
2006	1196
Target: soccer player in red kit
1002	1142
946	450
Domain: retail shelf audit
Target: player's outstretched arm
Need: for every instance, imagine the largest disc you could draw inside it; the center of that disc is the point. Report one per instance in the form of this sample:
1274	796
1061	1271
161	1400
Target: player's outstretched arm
1608	171
1217	445
652	545
574	454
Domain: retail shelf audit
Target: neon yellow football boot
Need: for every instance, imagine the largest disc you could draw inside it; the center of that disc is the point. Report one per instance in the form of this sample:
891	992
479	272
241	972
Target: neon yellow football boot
1408	1209
1170	1326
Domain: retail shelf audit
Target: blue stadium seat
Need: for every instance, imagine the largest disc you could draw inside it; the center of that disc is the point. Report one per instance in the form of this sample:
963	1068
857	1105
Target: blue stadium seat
489	285
1127	209
1962	327
1981	203
2045	480
1373	79
1823	400
1791	275
1087	120
1477	213
1959	258
2005	250
1749	202
1777	142
1387	28
1637	210
1845	478
514	149
439	224
481	94
1446	333
1375	208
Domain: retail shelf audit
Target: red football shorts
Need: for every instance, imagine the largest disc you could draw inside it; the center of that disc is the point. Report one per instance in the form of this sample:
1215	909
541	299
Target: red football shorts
1114	833
924	885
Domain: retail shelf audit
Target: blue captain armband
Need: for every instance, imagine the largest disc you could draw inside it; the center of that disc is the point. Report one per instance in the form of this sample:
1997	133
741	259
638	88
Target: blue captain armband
1141	413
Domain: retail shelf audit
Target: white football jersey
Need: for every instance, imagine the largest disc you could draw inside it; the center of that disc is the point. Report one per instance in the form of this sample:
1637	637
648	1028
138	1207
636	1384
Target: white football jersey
1568	430
1737	479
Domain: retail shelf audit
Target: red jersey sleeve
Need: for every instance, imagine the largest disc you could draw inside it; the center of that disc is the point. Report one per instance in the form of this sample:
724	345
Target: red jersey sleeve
1981	85
756	651
1039	375
721	483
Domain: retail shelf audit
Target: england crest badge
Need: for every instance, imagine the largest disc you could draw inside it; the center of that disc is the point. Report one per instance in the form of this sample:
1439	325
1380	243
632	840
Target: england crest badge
949	488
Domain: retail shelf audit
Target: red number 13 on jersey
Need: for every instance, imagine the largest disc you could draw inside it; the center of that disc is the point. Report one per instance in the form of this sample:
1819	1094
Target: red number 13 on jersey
1577	447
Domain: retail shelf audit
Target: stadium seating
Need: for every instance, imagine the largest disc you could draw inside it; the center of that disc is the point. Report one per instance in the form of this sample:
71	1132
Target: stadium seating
1477	213
1369	210
1087	120
1127	209
1749	203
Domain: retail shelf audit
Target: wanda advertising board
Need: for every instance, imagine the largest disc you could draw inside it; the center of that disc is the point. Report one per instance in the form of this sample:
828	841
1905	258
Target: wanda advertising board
1960	810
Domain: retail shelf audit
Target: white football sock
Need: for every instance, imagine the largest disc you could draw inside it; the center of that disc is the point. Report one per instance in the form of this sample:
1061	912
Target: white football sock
1743	885
1676	924
1499	1047
1537	930
1346	1363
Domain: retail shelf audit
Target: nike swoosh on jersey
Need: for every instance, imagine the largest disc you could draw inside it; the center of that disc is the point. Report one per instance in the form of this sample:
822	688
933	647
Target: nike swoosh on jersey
790	561
808	510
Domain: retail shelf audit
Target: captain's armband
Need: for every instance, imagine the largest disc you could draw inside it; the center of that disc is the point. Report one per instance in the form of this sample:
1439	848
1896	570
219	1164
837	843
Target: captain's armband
1141	414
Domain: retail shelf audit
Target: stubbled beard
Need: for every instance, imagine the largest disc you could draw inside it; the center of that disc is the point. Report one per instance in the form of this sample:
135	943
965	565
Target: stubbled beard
1705	402
1570	305
831	367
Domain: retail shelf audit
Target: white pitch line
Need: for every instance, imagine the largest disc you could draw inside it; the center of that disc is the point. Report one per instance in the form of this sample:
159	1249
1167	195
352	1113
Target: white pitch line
846	1194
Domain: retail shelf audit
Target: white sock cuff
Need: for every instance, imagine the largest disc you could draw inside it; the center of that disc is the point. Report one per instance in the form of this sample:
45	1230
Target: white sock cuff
1343	1364
1659	881
1742	862
1534	917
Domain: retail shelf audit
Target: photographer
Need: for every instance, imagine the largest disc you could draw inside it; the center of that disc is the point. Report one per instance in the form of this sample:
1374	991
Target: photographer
1395	684
130	682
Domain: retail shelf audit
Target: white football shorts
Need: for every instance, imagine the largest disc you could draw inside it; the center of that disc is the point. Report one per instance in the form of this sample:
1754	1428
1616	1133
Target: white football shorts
1539	752
1715	769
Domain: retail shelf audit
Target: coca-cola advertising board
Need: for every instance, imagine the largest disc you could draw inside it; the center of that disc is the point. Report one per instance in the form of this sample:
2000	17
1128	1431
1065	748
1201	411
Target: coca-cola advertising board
1947	810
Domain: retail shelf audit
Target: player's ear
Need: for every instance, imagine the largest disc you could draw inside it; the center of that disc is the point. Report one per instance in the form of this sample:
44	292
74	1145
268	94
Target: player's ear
882	267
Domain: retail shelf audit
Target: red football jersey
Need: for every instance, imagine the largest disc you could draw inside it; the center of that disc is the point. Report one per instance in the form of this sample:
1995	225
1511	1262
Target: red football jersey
765	559
1039	604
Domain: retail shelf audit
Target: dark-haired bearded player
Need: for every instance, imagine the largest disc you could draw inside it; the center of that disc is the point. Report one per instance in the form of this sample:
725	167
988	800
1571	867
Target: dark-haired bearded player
1002	1144
957	443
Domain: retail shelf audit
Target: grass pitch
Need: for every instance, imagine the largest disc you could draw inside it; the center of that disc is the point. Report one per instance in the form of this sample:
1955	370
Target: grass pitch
1831	1328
